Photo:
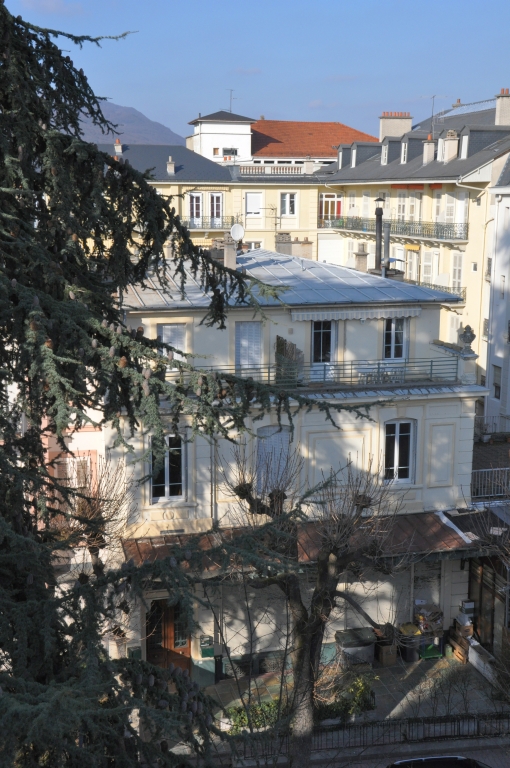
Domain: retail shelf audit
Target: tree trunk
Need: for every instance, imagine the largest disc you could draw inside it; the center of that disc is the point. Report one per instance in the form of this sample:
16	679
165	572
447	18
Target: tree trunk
300	741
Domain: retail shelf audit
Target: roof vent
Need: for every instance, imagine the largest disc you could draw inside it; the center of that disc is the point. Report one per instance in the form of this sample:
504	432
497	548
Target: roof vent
170	166
118	147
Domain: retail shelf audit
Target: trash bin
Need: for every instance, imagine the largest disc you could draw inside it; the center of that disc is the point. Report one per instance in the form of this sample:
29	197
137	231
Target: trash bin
358	644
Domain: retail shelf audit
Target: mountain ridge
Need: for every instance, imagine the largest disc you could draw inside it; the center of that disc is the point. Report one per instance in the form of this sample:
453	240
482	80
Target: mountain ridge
133	127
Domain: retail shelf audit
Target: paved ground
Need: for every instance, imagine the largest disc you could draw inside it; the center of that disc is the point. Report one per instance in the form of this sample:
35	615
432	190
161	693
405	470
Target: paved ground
486	456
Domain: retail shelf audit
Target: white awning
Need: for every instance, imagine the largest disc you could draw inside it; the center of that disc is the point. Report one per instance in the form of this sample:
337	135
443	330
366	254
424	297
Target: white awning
357	314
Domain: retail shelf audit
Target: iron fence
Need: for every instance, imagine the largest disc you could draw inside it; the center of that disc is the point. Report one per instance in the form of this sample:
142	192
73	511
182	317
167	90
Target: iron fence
350	374
382	733
209	222
461	292
490	483
433	230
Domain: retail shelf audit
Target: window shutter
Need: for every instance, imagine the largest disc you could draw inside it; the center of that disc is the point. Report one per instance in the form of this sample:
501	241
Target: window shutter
365	211
248	344
175	335
456	269
426	268
273	446
283	204
450	208
462	208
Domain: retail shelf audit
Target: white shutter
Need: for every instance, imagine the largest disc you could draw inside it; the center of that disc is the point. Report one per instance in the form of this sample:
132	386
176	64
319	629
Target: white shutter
273	446
253	203
412	265
427	267
248	344
461	208
350	254
456	269
365	211
437	206
401	206
175	335
450	208
351	204
371	256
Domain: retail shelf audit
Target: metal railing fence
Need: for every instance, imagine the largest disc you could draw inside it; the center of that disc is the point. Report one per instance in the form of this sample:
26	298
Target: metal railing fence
435	230
461	292
210	222
491	483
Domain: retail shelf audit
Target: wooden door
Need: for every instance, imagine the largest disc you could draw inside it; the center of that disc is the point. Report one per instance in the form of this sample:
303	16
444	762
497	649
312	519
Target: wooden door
168	639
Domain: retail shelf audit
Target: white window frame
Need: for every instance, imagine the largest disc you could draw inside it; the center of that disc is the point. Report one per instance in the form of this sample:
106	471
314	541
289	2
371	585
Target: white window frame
412	262
328	200
457	269
246	355
288	201
464	144
216	219
351	204
249	203
196	210
394	323
411	466
414	206
403	153
167	498
171	333
449	213
384	154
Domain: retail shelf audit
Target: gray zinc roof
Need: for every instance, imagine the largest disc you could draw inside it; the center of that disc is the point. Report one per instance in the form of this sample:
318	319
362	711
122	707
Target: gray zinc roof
309	283
189	166
222	117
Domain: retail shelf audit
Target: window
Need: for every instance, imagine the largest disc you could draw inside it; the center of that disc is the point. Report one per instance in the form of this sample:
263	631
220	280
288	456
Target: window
351	204
175	335
353	158
398	451
474	266
216	151
249	344
253	203
386	197
450	208
288	204
330	206
455	325
429	267
464	146
273	445
412	258
485	329
437	206
195	206
456	269
461	209
415	206
365	205
401	206
216	201
384	155
394	338
496	381
232	151
167	482
403	156
322	337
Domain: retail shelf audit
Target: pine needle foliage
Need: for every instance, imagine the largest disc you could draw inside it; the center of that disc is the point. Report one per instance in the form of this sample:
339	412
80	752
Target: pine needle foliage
78	226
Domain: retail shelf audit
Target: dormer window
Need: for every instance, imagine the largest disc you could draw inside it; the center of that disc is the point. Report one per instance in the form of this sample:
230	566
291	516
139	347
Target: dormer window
464	146
340	159
403	154
353	158
384	155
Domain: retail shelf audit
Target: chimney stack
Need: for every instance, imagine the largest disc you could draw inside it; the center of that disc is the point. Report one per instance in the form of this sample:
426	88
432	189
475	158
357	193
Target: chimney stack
503	107
308	166
170	166
429	149
451	146
118	147
230	252
457	104
394	124
361	258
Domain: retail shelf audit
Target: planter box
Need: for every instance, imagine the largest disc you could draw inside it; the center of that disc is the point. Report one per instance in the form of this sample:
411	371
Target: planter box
386	655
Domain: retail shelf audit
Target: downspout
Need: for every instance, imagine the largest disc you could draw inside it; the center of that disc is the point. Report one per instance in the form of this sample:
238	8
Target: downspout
491	295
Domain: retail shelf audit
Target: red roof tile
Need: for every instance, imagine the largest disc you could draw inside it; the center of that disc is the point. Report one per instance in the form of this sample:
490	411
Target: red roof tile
291	138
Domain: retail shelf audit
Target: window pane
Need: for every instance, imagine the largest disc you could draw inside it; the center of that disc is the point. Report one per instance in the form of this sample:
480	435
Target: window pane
404	451
321	341
387	338
180	628
399	337
158	482
283	203
389	452
175	466
292	204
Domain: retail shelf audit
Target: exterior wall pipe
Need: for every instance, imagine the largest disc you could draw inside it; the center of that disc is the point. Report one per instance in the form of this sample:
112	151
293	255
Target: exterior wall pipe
378	237
386	251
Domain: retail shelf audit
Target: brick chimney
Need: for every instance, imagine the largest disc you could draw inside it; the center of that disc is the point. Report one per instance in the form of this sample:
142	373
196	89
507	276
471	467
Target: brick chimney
451	146
118	147
503	107
170	166
394	124
429	150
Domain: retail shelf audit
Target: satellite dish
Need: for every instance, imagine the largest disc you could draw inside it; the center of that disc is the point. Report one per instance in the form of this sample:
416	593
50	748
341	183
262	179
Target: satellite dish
237	232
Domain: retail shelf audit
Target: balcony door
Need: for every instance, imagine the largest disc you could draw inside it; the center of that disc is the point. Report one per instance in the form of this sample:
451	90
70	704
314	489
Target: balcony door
168	639
248	350
195	210
323	350
216	209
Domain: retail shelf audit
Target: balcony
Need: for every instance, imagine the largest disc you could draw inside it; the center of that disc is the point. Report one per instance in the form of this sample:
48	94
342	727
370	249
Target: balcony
272	170
460	292
210	222
375	374
427	230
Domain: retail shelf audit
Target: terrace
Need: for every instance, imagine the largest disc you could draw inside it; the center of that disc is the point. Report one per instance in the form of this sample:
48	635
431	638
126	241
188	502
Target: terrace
424	230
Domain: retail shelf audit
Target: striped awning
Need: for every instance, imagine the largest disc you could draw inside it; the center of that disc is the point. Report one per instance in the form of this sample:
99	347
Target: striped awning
357	314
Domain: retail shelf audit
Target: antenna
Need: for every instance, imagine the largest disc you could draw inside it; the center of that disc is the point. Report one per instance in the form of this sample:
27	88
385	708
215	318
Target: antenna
232	98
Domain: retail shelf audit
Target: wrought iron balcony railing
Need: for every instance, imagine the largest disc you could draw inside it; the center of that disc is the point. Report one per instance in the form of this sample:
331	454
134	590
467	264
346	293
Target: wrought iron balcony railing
209	222
379	374
432	230
461	292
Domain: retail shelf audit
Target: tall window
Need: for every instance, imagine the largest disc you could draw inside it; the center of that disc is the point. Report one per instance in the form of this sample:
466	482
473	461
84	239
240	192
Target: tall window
351	204
415	206
427	267
384	155
456	269
401	206
248	344
175	335
496	381
412	258
365	205
168	483
216	206
253	203
273	445
394	338
437	206
195	206
330	206
322	341
403	156
288	204
398	451
450	208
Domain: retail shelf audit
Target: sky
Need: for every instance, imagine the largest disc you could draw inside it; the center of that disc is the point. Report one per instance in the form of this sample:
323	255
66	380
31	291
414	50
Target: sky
285	59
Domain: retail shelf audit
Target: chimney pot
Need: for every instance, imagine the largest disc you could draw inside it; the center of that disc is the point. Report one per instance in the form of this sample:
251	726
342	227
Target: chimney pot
502	108
506	91
394	124
502	91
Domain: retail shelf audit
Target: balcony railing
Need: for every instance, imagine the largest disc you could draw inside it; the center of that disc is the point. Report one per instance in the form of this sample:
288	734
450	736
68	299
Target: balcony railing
490	483
273	170
209	222
461	292
430	230
346	375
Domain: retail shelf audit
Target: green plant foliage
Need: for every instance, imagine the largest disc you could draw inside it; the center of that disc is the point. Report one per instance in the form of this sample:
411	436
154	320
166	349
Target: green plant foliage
265	714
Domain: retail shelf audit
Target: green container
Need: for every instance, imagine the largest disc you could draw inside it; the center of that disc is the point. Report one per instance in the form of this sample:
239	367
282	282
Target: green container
430	651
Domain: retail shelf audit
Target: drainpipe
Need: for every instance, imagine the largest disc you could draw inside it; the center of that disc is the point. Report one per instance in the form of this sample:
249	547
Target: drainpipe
378	237
386	242
469	186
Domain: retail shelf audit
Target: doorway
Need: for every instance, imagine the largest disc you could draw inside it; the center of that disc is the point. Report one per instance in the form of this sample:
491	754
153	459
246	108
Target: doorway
168	639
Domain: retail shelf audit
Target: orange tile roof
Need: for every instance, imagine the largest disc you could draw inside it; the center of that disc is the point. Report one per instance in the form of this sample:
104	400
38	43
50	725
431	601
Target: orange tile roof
292	138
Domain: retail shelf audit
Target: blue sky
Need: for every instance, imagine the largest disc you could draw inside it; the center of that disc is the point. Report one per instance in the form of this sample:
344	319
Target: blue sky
286	59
